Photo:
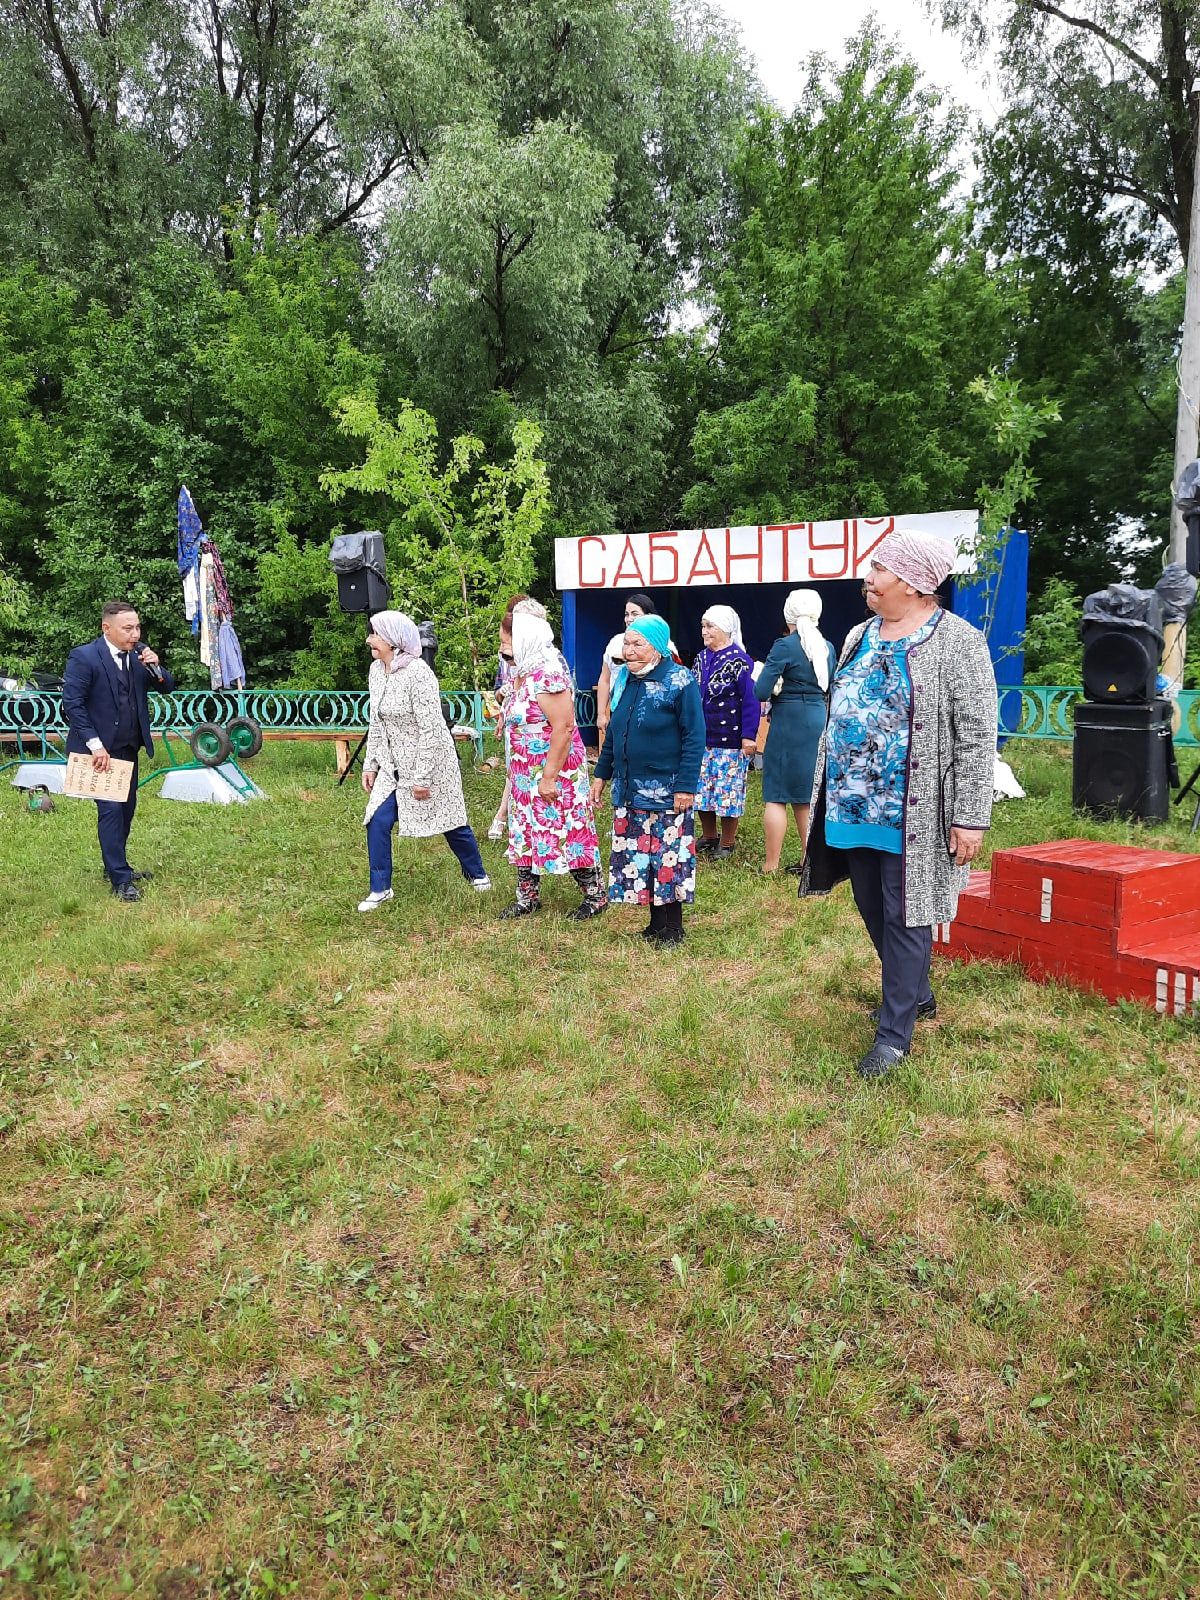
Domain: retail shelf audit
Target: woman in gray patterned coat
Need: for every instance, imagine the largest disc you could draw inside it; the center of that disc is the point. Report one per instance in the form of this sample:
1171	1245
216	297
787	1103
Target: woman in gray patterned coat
411	771
902	793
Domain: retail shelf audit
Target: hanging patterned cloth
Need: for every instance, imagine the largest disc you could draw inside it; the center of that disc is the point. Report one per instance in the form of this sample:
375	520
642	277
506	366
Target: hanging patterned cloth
224	604
188	556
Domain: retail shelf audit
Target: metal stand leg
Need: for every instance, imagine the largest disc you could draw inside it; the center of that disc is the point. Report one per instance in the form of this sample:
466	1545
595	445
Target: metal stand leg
1186	790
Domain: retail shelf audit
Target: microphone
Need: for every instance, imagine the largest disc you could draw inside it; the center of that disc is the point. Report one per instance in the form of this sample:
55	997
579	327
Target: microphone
155	671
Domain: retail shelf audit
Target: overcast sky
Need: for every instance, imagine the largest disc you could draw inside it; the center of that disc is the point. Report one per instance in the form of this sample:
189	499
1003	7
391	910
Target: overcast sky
780	33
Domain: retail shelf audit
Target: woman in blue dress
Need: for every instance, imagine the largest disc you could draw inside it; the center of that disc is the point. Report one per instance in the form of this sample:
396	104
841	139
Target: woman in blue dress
800	664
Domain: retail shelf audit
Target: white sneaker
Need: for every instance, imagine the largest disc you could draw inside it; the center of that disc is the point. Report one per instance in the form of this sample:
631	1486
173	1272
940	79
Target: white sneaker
375	900
481	885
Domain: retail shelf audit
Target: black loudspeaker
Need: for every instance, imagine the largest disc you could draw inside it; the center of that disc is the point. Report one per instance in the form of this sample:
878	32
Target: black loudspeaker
1121	759
359	565
1119	663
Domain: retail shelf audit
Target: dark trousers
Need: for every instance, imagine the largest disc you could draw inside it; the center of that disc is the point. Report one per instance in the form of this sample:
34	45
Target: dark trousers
379	847
114	819
877	879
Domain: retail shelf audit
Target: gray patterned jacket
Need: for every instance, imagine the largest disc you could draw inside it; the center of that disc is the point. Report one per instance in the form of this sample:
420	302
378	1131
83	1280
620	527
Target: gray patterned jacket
952	725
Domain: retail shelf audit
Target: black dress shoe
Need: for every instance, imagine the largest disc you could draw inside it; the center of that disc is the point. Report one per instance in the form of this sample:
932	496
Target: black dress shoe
586	912
142	877
879	1061
706	847
926	1010
723	852
127	891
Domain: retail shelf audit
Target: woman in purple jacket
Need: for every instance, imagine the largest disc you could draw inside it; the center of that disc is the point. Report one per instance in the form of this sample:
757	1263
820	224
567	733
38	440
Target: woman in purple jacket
725	674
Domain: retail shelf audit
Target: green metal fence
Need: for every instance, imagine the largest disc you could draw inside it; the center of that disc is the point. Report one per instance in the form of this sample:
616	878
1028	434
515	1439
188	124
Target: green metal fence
1027	711
1038	711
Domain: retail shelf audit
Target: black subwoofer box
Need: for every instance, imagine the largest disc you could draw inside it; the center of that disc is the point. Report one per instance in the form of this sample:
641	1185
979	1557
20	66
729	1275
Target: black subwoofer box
1121	759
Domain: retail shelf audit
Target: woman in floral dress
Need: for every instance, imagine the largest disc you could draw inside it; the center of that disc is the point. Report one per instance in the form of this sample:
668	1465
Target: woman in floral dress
652	753
551	830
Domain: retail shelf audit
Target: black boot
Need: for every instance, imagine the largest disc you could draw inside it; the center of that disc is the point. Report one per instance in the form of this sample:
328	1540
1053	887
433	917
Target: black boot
528	899
590	883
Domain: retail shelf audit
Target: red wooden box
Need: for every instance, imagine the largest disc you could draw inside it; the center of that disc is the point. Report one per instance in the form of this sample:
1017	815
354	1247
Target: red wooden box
1114	918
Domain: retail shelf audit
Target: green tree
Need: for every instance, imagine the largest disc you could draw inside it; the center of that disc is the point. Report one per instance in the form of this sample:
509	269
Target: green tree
1096	338
14	610
533	266
36	336
226	383
855	309
125	122
1101	93
462	536
1053	648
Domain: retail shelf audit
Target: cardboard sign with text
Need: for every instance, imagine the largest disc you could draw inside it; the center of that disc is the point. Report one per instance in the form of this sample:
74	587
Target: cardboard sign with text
83	782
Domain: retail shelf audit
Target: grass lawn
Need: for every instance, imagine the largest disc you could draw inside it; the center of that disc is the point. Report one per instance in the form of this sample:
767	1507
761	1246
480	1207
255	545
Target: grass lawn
422	1254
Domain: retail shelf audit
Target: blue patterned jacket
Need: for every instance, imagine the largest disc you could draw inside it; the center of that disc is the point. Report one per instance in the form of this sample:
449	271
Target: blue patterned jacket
655	740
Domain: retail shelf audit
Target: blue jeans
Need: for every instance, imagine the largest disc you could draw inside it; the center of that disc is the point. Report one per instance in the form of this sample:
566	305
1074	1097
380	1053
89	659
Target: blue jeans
379	848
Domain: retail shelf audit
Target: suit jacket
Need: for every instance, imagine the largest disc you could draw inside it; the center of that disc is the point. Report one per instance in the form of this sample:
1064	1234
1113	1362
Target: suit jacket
89	696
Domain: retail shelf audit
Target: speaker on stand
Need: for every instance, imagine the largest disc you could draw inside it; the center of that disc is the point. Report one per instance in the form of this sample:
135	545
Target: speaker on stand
359	565
1122	756
1122	759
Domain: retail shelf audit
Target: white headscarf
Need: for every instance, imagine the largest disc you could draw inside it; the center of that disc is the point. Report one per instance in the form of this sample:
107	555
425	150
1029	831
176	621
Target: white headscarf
533	642
401	633
727	619
802	611
530	608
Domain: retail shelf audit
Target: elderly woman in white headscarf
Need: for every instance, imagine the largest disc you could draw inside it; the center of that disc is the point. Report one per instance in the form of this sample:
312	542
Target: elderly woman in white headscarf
903	790
795	680
725	674
551	830
411	770
504	679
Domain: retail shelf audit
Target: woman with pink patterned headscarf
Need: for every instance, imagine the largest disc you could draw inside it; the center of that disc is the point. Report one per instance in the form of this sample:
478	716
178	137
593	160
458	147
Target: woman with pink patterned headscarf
903	786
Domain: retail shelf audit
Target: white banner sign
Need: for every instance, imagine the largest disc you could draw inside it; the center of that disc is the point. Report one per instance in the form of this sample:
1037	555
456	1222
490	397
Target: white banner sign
790	552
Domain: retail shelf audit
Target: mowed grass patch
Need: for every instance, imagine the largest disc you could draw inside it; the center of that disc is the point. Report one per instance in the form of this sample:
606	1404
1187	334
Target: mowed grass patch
421	1253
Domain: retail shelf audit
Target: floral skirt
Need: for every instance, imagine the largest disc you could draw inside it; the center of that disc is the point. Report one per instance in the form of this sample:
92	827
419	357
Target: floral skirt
550	836
723	782
653	857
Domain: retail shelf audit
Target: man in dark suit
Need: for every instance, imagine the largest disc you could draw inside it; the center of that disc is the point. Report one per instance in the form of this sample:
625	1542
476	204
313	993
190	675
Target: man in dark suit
105	690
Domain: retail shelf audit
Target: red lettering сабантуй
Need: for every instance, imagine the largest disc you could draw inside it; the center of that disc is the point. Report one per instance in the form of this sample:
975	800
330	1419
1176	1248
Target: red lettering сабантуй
596	583
712	566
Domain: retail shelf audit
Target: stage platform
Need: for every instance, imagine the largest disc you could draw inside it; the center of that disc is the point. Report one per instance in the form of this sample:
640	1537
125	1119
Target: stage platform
1116	919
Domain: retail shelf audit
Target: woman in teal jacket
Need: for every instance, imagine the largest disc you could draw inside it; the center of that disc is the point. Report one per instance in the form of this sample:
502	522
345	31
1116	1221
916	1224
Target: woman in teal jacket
652	752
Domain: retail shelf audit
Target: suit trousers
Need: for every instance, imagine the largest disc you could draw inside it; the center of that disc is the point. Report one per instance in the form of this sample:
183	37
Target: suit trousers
877	878
114	819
